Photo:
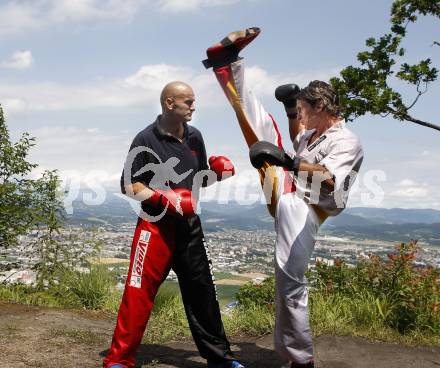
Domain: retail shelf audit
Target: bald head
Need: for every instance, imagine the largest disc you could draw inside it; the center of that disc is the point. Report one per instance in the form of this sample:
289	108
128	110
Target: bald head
177	100
173	90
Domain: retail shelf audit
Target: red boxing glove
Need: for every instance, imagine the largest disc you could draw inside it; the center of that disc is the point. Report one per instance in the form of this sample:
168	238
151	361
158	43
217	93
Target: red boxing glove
222	166
178	202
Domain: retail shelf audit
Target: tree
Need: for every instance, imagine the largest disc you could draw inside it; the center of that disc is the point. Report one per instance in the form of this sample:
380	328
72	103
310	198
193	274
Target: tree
366	88
25	204
34	205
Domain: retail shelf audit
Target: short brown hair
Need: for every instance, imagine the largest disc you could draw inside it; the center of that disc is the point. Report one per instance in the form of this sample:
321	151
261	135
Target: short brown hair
319	91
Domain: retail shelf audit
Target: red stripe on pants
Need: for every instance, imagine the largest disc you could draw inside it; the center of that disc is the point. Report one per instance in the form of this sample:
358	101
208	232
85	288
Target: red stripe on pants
151	259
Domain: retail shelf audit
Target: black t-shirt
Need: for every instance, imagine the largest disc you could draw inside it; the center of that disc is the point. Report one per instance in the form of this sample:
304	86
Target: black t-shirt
159	160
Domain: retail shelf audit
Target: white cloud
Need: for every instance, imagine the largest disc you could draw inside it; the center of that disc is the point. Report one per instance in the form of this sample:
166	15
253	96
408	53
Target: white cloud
13	105
152	77
19	16
92	157
411	192
137	89
406	183
82	150
24	15
52	96
177	6
19	60
83	10
140	88
264	84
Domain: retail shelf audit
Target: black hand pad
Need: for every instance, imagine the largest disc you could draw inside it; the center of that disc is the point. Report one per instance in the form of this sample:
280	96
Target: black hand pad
263	151
287	93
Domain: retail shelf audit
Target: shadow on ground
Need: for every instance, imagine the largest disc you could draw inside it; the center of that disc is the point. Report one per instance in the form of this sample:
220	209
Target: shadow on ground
330	352
51	337
185	355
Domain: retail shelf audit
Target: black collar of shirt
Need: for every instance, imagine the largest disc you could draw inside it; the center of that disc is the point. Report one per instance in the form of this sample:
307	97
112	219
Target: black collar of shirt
162	134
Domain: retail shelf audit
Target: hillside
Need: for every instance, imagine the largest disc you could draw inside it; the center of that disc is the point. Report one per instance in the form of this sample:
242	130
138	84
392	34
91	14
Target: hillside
396	224
38	337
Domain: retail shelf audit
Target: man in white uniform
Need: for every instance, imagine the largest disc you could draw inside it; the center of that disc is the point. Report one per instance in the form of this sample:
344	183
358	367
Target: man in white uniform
302	188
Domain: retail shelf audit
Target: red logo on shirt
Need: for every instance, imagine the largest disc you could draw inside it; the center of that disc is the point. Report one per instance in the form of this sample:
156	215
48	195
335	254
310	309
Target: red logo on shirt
194	153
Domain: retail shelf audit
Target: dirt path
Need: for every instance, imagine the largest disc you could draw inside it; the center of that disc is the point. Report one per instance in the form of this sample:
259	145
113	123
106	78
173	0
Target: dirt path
41	337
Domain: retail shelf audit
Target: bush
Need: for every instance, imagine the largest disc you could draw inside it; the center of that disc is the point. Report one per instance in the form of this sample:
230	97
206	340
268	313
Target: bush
251	295
378	298
93	290
387	299
24	294
253	320
168	320
403	296
88	290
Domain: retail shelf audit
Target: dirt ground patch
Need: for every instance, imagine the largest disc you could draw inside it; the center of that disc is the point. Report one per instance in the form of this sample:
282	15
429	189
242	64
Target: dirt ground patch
44	337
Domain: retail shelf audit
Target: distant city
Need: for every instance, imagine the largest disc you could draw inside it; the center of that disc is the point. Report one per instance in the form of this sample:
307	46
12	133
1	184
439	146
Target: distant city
242	239
231	250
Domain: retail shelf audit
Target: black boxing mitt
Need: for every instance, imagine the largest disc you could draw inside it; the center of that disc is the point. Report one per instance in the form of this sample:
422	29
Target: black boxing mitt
286	94
263	151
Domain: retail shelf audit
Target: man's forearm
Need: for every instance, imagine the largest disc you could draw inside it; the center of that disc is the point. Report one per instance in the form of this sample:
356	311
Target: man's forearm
294	127
138	191
263	152
316	169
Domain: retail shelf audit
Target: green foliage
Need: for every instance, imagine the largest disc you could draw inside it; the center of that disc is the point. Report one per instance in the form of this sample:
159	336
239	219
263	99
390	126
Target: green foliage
72	289
168	321
388	299
251	295
25	294
252	320
255	314
17	209
88	290
366	88
26	204
406	298
375	298
34	205
405	11
61	252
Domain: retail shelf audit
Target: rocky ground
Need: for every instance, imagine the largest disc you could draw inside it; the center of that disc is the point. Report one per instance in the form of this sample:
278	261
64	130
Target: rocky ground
43	337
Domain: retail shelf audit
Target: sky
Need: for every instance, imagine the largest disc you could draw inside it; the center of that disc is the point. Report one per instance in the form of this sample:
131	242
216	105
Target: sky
84	76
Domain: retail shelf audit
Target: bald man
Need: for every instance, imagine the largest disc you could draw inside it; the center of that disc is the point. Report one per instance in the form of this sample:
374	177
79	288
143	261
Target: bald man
161	171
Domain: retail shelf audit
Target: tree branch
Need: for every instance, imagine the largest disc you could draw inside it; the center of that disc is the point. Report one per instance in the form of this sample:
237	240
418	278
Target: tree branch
408	117
419	93
423	123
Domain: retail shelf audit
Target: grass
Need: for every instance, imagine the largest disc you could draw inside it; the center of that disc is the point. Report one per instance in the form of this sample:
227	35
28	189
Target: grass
167	322
334	314
251	321
28	295
88	290
380	300
226	293
341	315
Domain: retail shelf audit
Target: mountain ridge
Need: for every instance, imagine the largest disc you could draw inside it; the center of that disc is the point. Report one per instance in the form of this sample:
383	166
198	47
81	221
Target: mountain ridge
395	224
